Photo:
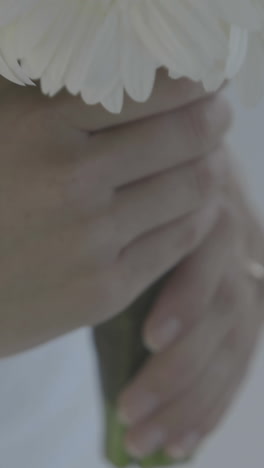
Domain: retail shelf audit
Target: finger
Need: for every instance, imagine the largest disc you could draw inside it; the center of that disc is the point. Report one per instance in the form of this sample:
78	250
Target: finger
83	246
147	259
151	203
186	443
105	293
135	151
167	95
95	295
185	360
190	289
180	417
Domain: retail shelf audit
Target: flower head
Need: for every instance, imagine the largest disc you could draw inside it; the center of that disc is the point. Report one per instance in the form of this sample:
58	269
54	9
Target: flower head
99	48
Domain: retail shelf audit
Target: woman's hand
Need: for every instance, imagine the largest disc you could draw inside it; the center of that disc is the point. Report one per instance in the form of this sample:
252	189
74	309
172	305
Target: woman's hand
203	328
87	198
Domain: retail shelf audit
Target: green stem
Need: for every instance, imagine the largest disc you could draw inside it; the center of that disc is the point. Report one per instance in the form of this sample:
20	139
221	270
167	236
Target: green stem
121	354
115	447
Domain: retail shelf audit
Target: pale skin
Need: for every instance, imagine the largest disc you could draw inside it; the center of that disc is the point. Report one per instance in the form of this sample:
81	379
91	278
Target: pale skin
87	198
185	389
86	201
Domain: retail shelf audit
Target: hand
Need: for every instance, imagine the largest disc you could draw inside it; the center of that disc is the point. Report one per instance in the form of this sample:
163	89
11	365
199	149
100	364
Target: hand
203	328
85	201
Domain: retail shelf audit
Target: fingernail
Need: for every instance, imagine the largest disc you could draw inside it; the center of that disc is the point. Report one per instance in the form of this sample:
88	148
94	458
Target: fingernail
185	448
145	444
162	336
134	408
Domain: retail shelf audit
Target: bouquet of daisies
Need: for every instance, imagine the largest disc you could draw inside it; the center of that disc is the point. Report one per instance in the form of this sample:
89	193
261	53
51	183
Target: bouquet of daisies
101	49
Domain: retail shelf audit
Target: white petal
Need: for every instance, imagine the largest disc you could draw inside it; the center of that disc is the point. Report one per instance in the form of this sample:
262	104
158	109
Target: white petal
138	67
101	48
10	10
238	51
114	102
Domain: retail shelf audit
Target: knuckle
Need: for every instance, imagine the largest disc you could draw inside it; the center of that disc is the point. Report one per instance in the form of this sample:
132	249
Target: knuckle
188	90
198	126
208	121
182	363
209	172
191	232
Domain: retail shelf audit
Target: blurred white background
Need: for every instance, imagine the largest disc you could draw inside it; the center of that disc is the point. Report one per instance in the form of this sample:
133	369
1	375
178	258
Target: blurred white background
71	437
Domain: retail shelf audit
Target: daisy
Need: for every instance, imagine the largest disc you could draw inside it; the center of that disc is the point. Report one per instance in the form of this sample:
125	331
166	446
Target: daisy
101	48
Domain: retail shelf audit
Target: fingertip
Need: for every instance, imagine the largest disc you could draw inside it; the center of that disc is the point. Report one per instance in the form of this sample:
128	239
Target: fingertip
185	448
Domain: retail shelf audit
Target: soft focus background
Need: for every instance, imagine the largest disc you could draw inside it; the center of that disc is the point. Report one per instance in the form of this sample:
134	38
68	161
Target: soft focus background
50	411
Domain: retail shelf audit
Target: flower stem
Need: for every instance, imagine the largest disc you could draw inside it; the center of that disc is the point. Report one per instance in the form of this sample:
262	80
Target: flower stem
115	446
121	353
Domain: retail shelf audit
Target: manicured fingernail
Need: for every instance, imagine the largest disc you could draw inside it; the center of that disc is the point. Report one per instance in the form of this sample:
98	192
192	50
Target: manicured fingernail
145	444
136	407
184	448
162	336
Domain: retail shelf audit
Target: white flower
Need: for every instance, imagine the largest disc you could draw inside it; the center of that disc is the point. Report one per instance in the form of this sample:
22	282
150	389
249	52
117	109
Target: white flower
99	48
